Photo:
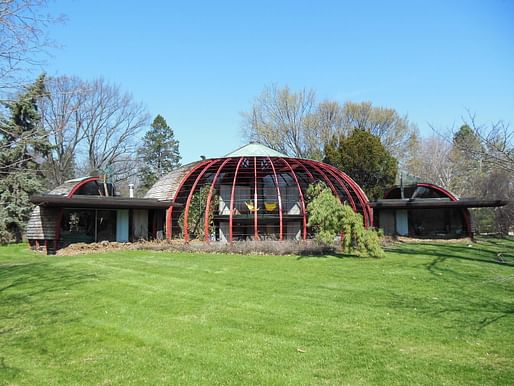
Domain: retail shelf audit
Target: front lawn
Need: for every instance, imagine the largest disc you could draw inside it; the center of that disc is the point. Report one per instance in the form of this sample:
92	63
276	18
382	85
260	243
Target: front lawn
426	314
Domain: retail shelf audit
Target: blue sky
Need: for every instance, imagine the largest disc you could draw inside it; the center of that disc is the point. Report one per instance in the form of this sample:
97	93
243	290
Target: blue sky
200	64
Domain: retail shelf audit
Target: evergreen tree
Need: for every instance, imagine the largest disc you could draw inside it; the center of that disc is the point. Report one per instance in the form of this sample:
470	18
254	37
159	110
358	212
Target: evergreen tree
159	152
363	157
328	217
22	143
468	166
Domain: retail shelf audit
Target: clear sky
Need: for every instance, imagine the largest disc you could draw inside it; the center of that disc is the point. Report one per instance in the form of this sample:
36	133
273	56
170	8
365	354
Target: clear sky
200	64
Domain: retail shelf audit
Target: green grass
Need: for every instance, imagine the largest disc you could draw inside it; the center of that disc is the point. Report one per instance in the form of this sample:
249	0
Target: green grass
433	314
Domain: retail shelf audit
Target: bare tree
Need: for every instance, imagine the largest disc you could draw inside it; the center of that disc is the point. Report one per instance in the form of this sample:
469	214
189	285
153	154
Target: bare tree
62	113
395	131
23	39
433	162
325	123
295	124
93	127
497	140
112	119
280	118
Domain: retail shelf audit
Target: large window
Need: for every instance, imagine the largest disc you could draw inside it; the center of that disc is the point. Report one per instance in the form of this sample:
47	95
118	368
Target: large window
88	225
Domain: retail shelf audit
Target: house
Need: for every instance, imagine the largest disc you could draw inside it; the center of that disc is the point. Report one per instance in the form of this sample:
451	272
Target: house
252	193
425	210
89	209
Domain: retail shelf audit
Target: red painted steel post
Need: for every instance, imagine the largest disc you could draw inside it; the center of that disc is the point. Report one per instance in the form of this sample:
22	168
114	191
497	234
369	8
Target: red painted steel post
279	198
231	214
190	196
209	198
302	201
255	202
341	182
168	222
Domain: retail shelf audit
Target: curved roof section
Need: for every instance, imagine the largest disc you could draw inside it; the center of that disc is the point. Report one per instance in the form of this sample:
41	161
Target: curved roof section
167	185
254	149
43	222
65	188
420	190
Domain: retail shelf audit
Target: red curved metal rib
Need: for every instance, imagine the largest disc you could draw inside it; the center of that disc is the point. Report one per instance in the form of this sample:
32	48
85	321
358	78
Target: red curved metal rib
439	189
209	198
302	201
255	203
80	184
363	199
279	199
299	163
324	176
60	216
190	196
169	212
347	192
230	216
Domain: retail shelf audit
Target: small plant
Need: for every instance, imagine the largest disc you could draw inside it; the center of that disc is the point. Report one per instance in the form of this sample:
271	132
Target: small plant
195	219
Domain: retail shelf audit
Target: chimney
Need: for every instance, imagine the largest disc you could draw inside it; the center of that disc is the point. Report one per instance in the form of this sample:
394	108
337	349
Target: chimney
131	190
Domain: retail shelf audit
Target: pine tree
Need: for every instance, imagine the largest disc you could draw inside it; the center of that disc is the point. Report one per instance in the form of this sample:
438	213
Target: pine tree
22	143
159	152
363	157
329	217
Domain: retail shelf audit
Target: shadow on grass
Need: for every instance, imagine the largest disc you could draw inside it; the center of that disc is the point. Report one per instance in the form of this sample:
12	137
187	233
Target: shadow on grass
442	253
36	290
470	313
495	311
327	255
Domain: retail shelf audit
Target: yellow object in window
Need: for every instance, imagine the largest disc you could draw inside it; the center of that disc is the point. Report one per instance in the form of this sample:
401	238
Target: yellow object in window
270	206
251	207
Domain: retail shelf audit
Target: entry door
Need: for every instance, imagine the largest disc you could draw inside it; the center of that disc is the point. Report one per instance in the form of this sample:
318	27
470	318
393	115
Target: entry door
122	225
402	222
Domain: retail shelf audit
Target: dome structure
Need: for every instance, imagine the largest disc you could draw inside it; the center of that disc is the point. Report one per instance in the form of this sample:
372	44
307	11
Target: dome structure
252	193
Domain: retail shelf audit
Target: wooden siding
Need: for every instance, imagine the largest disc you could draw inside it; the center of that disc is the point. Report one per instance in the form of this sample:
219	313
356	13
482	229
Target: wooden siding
42	223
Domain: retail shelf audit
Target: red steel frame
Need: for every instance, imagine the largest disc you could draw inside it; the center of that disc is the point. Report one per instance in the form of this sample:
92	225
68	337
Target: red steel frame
302	201
169	212
81	184
326	173
366	210
190	196
279	198
209	198
324	176
343	185
255	203
231	214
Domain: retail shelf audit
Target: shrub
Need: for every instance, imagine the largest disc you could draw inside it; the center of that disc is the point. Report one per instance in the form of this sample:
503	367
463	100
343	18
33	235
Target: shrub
329	218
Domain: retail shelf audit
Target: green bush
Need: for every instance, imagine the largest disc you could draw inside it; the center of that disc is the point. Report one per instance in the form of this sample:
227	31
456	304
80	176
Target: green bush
329	218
